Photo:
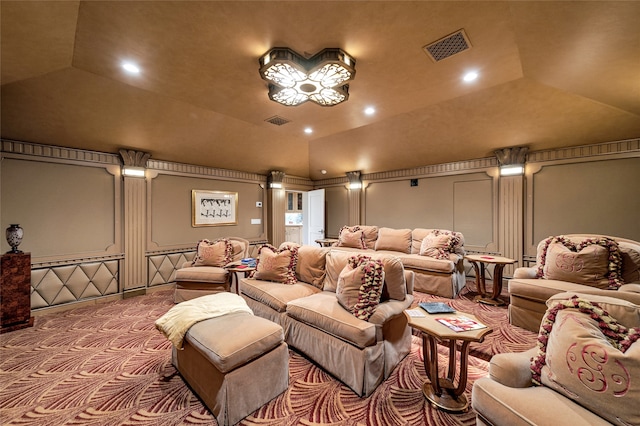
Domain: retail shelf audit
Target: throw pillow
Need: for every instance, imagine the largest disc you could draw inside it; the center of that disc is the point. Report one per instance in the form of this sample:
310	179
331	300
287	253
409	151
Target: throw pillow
394	240
277	265
351	237
596	262
213	253
586	355
437	245
360	286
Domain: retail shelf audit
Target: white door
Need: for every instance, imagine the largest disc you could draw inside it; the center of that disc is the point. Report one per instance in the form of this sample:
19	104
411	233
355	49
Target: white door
314	216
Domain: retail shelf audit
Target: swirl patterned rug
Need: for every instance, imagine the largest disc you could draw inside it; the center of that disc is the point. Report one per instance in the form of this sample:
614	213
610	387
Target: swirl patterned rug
108	365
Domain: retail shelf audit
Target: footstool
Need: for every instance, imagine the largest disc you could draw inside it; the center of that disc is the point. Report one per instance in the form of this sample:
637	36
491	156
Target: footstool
235	363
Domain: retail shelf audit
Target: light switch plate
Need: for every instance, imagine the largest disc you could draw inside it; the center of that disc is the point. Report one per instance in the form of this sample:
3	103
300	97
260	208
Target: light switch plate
256	221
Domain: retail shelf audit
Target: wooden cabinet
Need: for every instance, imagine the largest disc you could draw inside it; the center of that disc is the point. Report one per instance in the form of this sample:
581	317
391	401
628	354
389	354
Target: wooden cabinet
293	234
294	201
15	292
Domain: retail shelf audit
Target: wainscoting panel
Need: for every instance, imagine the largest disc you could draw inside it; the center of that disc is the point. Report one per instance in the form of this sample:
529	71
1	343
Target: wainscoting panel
59	284
163	267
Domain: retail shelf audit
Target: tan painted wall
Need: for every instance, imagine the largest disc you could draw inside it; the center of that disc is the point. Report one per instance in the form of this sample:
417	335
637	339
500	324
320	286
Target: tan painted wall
337	209
171	210
64	209
601	197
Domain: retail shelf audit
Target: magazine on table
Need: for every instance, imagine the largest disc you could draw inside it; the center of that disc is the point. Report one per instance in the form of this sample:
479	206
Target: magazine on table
461	323
436	307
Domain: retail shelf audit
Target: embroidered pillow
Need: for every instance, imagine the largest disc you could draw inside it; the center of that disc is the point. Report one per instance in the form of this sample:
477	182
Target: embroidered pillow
351	237
588	356
277	265
592	262
213	253
360	286
437	245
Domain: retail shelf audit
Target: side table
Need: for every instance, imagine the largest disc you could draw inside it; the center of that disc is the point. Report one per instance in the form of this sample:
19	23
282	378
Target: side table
326	242
233	270
442	391
500	263
15	292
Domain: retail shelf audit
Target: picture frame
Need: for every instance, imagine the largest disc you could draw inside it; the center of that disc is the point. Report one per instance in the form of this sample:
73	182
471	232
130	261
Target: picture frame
214	208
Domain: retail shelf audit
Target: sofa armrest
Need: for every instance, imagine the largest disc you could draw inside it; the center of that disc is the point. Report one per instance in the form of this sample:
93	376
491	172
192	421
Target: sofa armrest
389	309
512	369
187	264
525	272
633	288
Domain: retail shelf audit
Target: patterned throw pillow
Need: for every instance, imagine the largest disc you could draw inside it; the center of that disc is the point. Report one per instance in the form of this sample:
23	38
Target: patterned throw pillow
360	286
213	253
277	265
595	262
437	245
351	237
588	356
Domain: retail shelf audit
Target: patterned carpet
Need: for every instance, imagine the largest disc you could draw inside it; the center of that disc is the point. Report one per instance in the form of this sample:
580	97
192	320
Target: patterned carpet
108	365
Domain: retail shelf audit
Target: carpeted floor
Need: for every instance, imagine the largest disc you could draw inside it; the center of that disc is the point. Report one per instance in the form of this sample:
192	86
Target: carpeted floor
108	365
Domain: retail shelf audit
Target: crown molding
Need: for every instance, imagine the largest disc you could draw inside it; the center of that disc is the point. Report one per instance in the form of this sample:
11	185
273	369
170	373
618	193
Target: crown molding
27	149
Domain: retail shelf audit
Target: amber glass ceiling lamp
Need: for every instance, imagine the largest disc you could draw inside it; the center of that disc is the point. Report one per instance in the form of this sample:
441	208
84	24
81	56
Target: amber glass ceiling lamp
294	79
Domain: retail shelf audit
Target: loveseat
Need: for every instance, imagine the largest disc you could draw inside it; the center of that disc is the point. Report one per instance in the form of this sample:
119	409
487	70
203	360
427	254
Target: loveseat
574	262
304	296
438	263
586	378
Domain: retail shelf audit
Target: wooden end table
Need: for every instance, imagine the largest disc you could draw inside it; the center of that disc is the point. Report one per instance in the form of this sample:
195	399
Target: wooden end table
499	262
326	242
442	391
233	270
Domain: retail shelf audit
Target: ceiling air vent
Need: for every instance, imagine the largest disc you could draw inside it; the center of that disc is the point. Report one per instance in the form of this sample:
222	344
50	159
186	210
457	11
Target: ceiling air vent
277	120
448	46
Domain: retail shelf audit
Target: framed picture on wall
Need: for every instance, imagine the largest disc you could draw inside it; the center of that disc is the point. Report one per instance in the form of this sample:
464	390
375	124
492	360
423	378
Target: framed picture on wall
214	208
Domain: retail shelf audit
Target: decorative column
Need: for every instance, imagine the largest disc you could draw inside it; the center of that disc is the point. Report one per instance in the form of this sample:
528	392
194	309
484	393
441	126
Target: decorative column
511	207
277	207
134	268
15	291
354	195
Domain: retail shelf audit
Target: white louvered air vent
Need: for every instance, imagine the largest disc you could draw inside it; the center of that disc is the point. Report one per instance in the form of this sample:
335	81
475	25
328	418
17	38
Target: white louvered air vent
448	46
277	120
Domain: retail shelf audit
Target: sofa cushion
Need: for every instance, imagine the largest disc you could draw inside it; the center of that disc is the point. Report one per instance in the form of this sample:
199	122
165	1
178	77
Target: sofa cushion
360	286
592	358
276	295
351	237
213	253
394	239
370	235
395	284
323	311
277	265
437	245
630	264
418	235
311	265
588	267
425	263
202	274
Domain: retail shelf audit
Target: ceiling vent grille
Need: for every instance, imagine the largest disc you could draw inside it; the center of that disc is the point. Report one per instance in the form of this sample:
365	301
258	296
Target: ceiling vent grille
448	46
277	120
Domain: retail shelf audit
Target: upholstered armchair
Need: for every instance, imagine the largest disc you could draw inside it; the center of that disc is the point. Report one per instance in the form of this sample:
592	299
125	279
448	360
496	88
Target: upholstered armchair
207	273
583	370
573	262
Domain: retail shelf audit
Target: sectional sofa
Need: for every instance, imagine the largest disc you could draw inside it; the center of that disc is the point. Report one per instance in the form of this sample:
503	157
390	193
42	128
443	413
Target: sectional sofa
360	353
441	273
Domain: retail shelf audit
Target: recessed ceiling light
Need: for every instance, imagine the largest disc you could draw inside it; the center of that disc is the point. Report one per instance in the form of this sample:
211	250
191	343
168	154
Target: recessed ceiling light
308	130
470	76
323	171
131	68
370	110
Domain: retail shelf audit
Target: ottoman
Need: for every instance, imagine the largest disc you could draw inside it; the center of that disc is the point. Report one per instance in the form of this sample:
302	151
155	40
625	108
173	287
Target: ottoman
235	363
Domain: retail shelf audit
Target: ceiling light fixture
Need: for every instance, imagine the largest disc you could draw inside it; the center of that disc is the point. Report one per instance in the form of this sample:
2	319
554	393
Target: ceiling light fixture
294	79
370	110
470	76
308	130
131	68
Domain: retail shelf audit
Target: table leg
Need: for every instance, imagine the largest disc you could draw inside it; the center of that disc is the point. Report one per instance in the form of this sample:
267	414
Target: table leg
443	392
480	278
497	283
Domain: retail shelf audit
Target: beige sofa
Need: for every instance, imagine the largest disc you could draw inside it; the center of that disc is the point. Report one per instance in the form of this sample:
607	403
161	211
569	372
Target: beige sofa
528	294
580	390
441	277
359	353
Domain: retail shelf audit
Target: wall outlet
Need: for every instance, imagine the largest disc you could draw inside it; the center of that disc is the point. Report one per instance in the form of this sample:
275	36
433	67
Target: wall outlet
256	221
258	203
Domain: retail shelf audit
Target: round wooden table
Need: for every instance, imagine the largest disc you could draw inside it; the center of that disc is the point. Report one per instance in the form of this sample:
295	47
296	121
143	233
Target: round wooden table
233	270
443	392
499	262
